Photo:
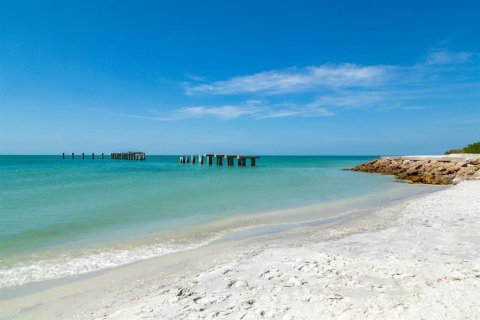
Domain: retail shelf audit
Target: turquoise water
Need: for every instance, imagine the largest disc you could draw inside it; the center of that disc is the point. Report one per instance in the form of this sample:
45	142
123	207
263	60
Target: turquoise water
62	217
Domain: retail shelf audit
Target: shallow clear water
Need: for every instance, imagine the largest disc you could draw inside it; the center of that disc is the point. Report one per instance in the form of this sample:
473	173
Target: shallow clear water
61	217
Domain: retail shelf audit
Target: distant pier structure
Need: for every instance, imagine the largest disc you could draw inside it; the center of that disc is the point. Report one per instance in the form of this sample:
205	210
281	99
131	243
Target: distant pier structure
241	160
130	155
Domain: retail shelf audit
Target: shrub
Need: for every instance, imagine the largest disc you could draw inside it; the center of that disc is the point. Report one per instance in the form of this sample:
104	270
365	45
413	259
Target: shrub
471	148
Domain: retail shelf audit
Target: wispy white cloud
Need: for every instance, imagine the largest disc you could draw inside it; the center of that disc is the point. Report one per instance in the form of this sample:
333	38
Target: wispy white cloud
330	77
443	56
253	109
295	80
194	77
348	99
222	112
306	110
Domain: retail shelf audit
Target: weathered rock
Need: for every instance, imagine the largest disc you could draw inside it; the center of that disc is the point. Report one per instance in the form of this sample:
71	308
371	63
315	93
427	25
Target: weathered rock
424	171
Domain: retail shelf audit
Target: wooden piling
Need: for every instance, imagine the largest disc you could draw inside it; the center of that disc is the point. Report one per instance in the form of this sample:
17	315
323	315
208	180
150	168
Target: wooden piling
219	159
193	159
241	161
209	159
102	155
230	159
83	155
63	155
93	155
73	155
200	159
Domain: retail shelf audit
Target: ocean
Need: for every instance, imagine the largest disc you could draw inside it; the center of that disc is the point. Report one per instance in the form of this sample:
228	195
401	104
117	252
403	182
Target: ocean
67	217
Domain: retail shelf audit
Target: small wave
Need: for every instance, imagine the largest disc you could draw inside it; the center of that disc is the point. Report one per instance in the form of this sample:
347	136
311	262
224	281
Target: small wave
75	264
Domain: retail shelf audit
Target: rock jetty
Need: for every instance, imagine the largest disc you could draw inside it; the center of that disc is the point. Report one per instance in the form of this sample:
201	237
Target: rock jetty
428	170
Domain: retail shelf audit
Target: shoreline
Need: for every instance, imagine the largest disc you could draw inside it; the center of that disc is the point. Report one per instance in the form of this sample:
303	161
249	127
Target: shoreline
113	292
242	226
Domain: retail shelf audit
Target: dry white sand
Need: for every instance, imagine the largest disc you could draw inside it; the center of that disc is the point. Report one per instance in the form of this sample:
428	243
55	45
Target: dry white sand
416	260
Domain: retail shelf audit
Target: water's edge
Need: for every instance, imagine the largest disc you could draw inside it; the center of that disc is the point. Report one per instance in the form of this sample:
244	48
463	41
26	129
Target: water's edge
356	208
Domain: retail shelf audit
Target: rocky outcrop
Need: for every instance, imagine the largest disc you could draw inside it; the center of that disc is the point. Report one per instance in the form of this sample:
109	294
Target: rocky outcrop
424	170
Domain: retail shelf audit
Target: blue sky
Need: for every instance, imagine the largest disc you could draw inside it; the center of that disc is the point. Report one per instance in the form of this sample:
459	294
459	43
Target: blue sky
263	77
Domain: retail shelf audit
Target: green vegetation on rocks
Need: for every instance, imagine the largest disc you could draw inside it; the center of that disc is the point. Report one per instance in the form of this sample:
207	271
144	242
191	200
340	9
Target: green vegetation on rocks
471	148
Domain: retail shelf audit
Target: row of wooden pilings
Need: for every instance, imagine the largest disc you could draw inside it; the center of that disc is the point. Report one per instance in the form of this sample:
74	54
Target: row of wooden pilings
83	155
241	160
131	155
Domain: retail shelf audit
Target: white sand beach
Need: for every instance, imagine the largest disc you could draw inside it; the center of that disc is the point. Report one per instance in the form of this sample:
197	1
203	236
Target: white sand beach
418	259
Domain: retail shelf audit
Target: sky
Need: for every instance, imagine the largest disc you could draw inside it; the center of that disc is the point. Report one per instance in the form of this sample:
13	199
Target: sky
247	77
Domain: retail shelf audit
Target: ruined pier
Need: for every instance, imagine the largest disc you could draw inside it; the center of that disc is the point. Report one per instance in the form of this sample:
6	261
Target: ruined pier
241	160
131	155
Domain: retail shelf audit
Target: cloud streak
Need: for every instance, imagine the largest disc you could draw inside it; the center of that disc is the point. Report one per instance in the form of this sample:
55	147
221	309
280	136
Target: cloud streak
253	109
441	56
332	77
295	80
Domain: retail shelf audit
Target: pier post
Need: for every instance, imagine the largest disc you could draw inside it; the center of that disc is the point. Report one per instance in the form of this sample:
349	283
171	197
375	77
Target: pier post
93	155
102	155
73	155
193	159
200	159
63	155
209	159
241	161
219	159
252	162
188	159
83	155
230	159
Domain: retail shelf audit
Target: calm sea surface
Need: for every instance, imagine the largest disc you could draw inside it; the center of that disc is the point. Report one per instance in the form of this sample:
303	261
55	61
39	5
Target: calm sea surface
63	217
